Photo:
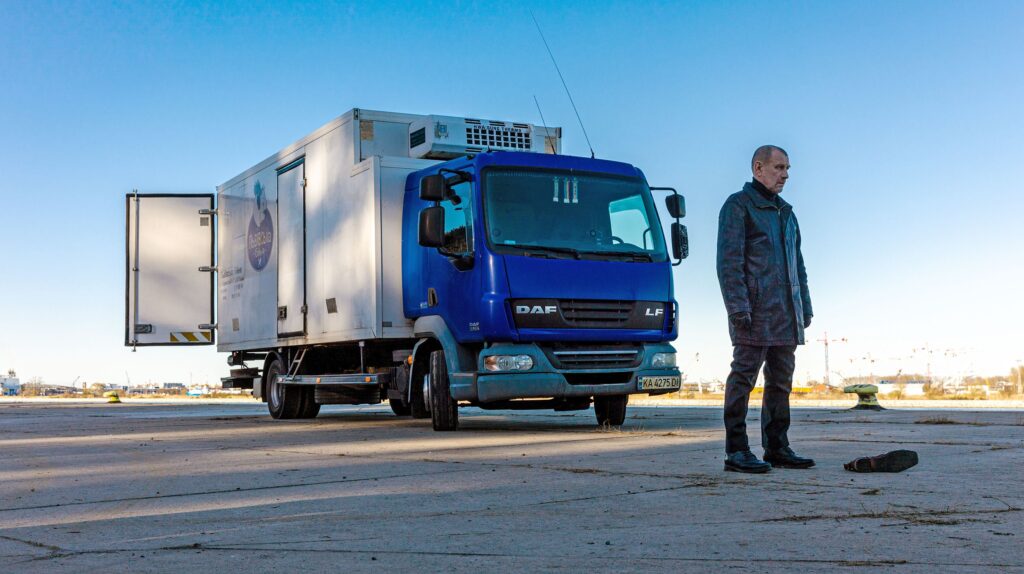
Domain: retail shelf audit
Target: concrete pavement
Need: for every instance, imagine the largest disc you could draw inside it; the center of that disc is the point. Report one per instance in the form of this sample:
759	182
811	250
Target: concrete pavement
157	487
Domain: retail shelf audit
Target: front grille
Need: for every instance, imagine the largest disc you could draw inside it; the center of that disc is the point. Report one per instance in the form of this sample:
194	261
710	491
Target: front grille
613	378
604	357
596	313
587	314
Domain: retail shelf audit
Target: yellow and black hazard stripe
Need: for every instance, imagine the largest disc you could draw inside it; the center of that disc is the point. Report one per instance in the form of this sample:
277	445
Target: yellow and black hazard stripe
191	336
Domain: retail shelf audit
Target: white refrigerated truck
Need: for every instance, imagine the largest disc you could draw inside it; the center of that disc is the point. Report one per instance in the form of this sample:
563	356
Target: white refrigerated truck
295	268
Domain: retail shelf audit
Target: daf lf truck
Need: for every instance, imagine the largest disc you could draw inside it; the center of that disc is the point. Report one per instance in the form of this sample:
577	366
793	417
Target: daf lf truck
432	262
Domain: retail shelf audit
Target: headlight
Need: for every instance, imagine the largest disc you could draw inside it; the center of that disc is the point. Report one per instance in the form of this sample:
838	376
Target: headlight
663	360
508	363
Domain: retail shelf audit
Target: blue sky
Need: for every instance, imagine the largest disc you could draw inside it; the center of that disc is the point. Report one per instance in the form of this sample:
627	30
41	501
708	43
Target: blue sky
903	121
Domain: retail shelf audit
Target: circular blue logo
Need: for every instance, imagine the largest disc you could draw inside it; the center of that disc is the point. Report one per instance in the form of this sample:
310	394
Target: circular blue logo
260	239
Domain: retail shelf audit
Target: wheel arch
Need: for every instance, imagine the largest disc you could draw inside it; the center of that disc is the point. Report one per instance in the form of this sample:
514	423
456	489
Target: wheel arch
434	334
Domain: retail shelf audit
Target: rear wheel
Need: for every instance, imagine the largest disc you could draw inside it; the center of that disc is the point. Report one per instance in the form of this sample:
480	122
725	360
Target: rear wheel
399	407
418	407
611	410
310	408
398	386
444	411
283	401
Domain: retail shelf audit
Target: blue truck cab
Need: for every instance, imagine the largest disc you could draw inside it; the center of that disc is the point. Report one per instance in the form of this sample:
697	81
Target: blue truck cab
537	281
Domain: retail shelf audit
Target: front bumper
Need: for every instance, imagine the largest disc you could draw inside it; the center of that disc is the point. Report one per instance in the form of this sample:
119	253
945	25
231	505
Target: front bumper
545	381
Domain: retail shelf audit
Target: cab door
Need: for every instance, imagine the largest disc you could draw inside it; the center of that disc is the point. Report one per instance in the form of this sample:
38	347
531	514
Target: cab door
169	270
452	271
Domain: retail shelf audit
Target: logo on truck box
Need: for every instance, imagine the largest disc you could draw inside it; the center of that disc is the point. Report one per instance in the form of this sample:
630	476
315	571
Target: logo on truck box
260	239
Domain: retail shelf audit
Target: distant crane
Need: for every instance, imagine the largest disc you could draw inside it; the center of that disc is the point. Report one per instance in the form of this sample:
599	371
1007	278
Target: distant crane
826	340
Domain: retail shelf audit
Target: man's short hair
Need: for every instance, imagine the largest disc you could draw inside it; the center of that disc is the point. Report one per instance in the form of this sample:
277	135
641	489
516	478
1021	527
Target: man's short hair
764	153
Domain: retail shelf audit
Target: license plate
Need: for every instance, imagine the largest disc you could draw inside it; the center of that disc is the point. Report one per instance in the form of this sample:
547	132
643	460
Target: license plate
658	383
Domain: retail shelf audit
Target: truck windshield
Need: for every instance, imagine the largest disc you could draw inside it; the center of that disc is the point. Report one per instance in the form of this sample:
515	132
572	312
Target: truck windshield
571	215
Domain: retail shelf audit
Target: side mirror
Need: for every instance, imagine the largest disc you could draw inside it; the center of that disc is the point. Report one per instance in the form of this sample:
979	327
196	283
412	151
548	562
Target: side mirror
680	241
433	188
676	205
431	229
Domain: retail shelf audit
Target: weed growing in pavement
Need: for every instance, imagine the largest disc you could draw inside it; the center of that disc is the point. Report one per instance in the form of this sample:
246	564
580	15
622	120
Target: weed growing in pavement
937	420
944	420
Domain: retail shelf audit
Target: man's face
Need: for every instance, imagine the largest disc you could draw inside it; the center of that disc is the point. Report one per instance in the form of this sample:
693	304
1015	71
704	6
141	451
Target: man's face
773	173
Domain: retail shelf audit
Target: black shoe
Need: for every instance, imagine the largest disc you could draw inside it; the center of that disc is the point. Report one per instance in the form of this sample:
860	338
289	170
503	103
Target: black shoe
895	461
745	461
786	458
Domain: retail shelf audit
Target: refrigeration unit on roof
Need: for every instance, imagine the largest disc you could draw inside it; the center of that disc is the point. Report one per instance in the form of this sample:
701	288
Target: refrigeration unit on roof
443	137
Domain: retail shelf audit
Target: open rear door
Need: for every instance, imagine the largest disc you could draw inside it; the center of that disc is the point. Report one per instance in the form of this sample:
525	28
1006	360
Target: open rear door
169	296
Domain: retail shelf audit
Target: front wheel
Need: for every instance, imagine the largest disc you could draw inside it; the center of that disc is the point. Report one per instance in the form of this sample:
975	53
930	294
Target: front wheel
444	411
611	411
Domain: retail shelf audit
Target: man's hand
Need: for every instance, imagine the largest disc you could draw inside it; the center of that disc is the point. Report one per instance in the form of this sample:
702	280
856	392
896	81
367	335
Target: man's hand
741	320
807	321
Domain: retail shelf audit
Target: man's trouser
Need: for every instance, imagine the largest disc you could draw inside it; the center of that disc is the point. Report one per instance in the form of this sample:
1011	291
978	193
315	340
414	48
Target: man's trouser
747	360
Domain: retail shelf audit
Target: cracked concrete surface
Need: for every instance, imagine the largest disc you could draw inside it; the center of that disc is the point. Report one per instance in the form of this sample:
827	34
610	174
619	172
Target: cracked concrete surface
154	487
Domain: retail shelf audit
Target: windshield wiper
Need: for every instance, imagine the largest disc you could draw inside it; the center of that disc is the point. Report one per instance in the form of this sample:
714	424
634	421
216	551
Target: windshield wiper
544	250
632	255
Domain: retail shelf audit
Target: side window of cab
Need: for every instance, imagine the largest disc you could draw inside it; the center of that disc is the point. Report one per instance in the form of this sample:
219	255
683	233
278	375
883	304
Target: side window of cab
628	221
458	221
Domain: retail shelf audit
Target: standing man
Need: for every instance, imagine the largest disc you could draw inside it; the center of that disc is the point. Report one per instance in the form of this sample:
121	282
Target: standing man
764	284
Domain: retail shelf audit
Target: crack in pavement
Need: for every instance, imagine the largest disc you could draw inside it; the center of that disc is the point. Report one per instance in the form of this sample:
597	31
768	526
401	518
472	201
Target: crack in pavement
902	441
917	517
917	422
564	557
225	491
32	543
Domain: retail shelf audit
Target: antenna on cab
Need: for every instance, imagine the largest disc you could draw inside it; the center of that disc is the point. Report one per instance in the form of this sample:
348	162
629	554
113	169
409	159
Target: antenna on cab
564	85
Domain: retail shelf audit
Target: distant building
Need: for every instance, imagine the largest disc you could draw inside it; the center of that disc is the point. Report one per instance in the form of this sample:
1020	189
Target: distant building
10	385
907	389
702	386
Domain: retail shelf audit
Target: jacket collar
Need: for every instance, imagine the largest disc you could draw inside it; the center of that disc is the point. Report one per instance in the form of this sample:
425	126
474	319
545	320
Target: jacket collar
760	202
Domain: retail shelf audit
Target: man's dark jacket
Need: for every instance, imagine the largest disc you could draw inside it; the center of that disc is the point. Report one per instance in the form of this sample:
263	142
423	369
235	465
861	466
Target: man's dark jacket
761	270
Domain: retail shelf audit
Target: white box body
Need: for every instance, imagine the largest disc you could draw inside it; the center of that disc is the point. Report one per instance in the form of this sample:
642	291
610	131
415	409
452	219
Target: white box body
319	225
331	245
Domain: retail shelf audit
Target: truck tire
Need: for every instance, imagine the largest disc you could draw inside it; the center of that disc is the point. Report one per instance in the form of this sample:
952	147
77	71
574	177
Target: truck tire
444	411
418	406
310	408
400	408
611	411
283	401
